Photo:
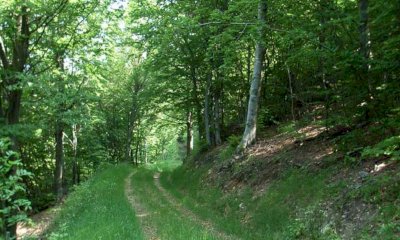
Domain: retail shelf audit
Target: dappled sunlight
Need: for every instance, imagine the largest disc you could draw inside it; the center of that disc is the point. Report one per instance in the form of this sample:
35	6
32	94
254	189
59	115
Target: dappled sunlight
271	146
380	167
40	224
311	131
324	152
265	148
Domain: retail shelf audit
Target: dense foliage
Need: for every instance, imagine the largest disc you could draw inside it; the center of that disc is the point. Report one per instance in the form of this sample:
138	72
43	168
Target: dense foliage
13	203
104	81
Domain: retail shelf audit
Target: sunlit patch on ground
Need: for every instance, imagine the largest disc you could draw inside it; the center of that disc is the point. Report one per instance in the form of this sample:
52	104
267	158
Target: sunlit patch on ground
40	223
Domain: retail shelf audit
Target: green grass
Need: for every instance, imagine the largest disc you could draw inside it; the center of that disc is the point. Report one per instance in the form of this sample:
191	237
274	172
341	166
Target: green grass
163	165
384	190
290	208
207	202
98	209
286	211
170	224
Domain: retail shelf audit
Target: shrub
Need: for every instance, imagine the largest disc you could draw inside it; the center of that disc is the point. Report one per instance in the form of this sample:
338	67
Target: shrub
13	205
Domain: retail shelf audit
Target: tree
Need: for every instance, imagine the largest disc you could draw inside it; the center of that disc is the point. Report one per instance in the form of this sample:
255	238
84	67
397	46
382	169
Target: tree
249	135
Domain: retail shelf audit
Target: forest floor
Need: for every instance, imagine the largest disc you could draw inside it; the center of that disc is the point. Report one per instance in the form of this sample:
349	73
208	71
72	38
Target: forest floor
39	224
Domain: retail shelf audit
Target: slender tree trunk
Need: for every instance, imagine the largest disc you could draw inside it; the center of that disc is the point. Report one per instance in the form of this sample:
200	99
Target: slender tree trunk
248	82
2	115
128	139
137	152
132	117
197	103
189	134
207	110
291	92
249	135
364	34
217	116
75	164
323	11
59	168
364	83
144	149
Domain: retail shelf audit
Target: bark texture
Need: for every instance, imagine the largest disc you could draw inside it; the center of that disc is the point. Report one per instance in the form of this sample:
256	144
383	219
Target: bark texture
249	135
189	134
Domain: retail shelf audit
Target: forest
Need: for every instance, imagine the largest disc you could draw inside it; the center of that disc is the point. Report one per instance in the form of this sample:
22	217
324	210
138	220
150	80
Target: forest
206	119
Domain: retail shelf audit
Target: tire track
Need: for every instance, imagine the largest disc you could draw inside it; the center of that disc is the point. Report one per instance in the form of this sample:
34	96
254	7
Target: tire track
189	214
142	213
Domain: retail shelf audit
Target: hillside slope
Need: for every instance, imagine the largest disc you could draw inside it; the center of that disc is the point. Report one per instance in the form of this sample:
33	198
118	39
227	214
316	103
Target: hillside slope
304	182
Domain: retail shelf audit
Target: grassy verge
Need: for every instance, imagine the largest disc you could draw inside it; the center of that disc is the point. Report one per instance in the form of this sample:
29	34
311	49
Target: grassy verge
169	223
287	210
98	209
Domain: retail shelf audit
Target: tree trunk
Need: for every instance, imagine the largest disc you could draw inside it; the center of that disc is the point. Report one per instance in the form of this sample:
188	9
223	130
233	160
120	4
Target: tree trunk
248	82
144	150
59	168
128	138
197	103
189	134
249	135
364	34
132	117
75	164
207	110
291	93
364	80
217	116
322	13
137	152
2	115
59	134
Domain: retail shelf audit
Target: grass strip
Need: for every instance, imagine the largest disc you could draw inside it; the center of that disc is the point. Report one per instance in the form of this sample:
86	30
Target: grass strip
98	209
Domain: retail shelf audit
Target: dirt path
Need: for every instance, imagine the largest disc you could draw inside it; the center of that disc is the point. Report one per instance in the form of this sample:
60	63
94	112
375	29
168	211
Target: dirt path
41	222
189	214
142	214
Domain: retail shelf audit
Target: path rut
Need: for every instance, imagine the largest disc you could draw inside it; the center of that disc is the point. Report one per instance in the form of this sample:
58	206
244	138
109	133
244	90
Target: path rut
189	214
142	213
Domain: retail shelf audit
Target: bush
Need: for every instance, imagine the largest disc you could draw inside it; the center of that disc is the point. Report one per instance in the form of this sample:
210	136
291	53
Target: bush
13	205
389	147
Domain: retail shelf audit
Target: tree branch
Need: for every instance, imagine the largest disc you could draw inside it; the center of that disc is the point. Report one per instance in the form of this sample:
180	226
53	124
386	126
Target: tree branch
48	20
